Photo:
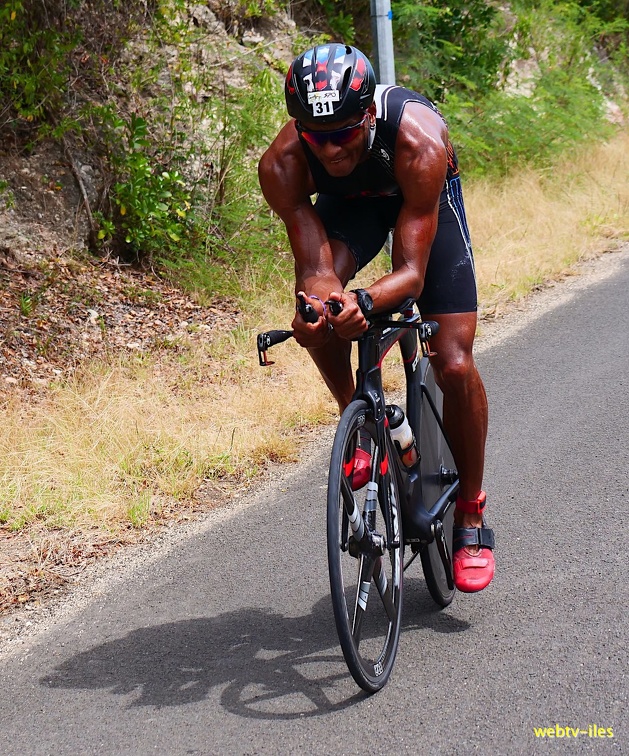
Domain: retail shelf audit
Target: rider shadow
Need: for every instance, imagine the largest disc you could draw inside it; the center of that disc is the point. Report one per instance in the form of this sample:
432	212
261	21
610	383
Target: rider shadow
266	665
421	612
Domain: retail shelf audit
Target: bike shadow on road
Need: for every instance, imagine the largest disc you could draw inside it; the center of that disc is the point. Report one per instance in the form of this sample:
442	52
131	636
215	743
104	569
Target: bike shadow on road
261	664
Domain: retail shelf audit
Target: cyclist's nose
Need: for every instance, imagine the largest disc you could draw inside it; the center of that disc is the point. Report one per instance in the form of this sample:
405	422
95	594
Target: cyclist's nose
331	150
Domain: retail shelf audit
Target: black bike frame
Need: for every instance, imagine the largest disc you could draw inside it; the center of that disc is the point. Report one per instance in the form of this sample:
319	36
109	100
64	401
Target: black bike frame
416	368
373	346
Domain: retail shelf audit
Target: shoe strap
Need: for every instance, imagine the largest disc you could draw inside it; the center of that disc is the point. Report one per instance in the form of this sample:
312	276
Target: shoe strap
463	537
475	506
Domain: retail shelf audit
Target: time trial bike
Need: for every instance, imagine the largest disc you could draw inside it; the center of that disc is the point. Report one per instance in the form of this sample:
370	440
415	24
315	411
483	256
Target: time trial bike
406	505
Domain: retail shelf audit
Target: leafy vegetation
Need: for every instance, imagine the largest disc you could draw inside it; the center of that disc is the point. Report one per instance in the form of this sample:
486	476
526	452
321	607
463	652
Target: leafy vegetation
461	46
519	87
177	138
49	64
180	117
153	205
518	83
34	63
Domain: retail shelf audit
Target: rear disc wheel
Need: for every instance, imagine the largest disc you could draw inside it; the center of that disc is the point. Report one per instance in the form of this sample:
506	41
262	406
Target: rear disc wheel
436	460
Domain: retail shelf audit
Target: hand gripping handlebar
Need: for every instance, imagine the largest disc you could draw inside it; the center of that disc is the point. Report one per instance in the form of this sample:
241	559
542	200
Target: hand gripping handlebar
426	329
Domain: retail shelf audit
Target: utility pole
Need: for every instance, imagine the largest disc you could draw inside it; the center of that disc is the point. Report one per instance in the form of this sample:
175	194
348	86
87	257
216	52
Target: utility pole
382	31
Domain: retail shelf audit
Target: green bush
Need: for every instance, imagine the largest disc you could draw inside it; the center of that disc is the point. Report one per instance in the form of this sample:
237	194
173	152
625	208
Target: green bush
612	29
183	171
55	54
505	131
501	119
34	63
460	46
153	206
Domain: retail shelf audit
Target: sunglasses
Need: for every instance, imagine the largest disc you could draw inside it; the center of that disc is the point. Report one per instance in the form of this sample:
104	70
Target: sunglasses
338	137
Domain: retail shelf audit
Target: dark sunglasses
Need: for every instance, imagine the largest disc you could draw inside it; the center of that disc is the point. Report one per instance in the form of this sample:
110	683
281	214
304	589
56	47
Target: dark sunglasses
338	137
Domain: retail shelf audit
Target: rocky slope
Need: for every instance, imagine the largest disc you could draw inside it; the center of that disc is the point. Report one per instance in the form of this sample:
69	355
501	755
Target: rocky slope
60	304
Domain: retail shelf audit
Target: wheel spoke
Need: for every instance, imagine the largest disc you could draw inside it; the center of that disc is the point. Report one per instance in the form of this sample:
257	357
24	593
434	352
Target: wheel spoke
384	589
365	573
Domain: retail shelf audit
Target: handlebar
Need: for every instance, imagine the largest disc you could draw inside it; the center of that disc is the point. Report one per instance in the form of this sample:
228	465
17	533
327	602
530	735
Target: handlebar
306	310
426	329
335	307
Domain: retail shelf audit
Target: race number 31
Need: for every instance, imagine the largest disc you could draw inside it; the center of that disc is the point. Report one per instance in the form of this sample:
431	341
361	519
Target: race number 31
323	102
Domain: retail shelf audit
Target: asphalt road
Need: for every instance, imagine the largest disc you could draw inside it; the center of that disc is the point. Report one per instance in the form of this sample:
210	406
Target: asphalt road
225	643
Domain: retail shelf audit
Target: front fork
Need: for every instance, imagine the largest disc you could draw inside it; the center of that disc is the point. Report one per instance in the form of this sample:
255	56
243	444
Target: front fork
363	540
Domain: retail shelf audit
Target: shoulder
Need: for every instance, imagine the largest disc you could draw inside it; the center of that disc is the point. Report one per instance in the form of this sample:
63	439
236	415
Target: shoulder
421	157
422	128
418	128
283	168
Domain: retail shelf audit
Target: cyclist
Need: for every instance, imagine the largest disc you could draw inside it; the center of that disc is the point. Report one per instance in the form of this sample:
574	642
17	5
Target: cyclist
379	158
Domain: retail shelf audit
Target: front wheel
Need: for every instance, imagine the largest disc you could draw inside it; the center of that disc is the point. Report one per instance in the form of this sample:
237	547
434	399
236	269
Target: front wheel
365	571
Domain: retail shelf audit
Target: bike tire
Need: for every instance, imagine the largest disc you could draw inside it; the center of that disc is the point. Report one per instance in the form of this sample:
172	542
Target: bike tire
367	609
435	457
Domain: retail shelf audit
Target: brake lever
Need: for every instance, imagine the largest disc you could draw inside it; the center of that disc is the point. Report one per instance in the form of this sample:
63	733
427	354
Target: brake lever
427	329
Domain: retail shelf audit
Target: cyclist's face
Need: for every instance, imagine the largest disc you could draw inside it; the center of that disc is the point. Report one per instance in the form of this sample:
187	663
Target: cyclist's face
347	146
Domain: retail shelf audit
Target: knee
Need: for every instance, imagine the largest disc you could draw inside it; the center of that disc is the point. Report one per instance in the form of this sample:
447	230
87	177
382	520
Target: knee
454	370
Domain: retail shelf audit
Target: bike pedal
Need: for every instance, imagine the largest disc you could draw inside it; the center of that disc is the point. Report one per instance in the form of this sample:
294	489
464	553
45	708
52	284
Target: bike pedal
447	477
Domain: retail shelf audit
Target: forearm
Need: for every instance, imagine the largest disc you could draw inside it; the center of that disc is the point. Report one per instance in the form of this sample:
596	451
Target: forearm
396	287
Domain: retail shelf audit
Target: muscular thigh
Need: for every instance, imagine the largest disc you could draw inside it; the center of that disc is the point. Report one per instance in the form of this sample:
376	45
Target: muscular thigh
450	283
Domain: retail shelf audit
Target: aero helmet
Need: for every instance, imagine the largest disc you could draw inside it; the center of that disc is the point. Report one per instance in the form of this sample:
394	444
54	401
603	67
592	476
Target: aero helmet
329	83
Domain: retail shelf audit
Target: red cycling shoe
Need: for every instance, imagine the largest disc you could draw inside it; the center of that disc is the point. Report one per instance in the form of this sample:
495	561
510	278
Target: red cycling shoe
362	469
473	571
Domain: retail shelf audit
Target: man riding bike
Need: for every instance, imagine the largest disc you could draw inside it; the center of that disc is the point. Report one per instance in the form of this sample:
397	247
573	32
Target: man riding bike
379	158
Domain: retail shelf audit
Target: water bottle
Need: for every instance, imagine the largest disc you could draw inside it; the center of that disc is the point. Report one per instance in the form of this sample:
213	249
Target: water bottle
402	434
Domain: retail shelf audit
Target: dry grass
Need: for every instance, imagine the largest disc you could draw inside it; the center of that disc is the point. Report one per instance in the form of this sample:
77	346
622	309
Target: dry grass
114	445
533	227
119	441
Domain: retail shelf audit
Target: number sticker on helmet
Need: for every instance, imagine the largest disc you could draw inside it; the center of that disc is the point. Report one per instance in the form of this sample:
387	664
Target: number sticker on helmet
322	102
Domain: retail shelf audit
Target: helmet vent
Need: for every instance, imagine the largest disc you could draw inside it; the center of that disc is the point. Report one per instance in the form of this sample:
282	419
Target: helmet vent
347	74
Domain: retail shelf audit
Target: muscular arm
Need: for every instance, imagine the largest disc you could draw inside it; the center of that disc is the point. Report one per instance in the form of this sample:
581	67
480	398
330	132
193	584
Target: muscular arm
287	185
420	169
